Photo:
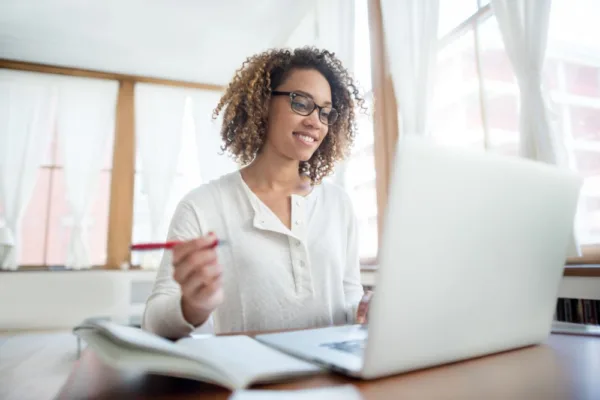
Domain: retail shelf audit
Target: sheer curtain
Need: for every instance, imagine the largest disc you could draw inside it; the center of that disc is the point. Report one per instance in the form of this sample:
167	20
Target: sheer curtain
410	31
27	106
85	125
159	114
211	162
335	29
524	28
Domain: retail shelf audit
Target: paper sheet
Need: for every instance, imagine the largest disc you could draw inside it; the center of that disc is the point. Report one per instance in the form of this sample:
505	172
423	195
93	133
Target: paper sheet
344	392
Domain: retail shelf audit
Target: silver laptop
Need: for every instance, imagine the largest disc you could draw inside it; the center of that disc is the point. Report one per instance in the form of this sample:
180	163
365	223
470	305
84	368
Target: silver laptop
470	263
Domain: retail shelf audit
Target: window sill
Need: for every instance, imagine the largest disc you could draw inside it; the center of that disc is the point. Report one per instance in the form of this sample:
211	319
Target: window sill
582	270
44	268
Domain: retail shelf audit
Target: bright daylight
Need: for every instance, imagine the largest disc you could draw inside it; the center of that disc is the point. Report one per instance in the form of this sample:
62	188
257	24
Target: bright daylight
326	199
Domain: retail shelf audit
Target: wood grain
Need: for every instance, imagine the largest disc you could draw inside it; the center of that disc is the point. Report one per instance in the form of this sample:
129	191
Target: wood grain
86	73
120	218
385	114
564	367
590	255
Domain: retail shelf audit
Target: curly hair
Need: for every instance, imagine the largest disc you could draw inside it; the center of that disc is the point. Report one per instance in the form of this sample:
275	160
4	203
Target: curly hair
246	104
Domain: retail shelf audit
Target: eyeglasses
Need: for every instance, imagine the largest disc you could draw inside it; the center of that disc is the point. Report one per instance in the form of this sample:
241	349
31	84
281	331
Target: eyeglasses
304	105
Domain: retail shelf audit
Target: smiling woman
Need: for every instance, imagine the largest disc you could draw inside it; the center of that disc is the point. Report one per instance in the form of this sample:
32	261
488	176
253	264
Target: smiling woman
292	259
272	73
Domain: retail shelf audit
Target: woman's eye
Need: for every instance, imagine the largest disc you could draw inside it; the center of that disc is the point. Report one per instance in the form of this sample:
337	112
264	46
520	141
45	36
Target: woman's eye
300	106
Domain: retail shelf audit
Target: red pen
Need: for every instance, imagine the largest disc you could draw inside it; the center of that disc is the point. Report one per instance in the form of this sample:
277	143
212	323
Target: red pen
167	245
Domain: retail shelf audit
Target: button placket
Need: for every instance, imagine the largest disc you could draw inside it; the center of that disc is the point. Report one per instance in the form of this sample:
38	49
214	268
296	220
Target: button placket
300	260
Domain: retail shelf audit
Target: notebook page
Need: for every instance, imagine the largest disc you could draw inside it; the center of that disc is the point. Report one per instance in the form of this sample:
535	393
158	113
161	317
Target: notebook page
247	360
345	392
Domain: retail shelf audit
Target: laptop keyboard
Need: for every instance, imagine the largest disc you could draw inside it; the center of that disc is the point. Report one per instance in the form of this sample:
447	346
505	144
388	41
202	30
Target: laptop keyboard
356	347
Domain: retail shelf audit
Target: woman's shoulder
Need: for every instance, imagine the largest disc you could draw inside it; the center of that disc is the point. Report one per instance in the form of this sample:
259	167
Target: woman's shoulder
204	195
333	193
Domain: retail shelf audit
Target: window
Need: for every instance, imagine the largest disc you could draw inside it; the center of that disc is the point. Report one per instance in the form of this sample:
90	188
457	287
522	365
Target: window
45	229
187	178
476	100
54	124
199	158
358	172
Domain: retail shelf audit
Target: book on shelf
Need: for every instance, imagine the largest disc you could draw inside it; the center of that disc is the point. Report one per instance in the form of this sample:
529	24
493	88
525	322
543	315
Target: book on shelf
234	362
578	311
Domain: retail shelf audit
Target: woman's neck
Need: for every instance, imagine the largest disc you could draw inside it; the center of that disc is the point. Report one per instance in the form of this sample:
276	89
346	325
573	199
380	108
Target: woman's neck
272	172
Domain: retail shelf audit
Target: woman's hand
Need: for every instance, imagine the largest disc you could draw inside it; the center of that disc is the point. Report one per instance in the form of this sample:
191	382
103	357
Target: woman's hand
362	313
199	275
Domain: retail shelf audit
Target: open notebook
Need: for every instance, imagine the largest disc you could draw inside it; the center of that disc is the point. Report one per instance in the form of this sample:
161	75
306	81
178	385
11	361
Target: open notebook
234	362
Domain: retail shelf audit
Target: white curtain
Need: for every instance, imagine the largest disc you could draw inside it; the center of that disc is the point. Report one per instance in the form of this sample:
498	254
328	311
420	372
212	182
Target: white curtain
524	28
26	122
159	114
85	124
211	162
410	31
335	29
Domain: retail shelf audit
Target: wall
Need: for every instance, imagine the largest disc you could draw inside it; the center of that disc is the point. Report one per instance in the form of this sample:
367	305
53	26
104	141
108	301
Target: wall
61	300
580	288
571	286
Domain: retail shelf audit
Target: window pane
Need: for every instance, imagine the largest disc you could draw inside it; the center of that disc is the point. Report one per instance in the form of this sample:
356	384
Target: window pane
60	221
456	113
358	171
49	157
359	181
453	12
187	178
33	225
573	73
362	43
360	185
501	91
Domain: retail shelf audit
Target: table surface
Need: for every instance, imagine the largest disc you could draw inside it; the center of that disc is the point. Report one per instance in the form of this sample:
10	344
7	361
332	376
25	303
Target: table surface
563	367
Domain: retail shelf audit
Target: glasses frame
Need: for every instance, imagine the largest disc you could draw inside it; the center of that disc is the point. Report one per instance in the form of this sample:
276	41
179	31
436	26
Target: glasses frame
293	95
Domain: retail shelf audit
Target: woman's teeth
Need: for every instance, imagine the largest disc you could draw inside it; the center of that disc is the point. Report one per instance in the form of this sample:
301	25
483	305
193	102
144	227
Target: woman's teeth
305	138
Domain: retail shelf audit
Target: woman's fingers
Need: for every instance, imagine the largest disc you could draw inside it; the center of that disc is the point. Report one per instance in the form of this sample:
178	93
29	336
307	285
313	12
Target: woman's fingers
184	249
194	262
363	308
208	296
200	279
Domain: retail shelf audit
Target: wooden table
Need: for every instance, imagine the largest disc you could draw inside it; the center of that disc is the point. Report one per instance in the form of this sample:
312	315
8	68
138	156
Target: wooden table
564	367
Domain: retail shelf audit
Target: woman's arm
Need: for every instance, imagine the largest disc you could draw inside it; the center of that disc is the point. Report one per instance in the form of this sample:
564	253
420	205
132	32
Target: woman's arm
163	314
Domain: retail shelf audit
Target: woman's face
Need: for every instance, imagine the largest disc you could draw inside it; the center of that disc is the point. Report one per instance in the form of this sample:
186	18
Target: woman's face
293	135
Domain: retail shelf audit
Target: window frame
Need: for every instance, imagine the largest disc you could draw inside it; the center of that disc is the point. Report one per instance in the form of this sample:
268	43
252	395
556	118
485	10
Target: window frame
385	134
587	265
120	216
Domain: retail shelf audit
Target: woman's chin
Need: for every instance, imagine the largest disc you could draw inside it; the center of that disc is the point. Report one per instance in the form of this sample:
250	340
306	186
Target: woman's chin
301	156
305	157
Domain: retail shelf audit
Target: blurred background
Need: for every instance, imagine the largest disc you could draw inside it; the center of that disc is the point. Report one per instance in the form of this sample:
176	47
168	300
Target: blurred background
199	45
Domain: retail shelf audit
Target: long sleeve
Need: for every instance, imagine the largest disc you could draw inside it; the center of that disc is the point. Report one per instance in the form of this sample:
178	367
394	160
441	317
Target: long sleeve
353	289
163	315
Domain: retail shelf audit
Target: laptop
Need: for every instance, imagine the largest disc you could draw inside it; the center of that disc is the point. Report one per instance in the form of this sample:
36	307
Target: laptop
470	262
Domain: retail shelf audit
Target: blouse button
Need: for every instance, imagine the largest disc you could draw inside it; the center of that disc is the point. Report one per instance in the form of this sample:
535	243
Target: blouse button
302	263
298	222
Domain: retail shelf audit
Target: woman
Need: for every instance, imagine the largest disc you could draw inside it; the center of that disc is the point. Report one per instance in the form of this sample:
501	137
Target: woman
291	253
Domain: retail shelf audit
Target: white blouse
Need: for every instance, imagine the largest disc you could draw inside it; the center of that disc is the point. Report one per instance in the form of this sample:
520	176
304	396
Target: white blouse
273	277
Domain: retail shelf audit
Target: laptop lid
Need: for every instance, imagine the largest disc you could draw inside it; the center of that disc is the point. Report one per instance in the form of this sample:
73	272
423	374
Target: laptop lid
471	258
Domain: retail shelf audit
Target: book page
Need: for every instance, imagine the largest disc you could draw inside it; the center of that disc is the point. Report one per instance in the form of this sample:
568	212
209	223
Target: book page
345	392
246	360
